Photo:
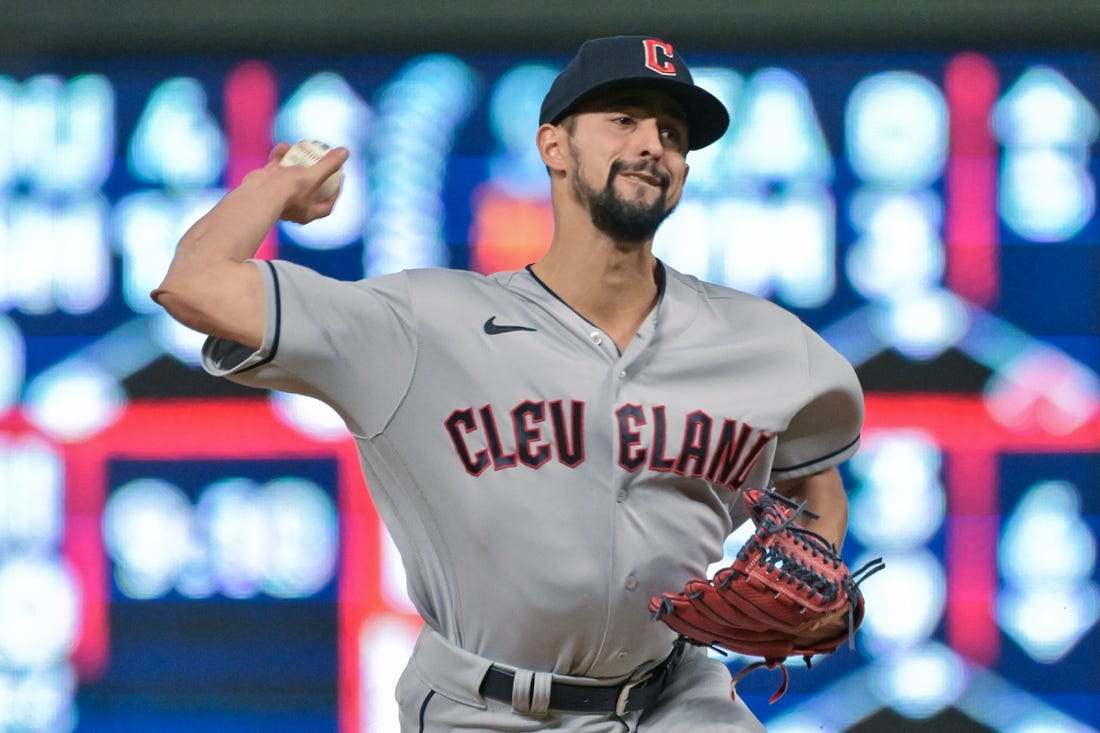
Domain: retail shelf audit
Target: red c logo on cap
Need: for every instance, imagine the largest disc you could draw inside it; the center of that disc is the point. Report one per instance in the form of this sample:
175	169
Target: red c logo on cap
658	56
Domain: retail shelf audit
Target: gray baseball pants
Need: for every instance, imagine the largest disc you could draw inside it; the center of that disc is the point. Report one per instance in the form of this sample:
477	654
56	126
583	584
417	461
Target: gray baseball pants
439	691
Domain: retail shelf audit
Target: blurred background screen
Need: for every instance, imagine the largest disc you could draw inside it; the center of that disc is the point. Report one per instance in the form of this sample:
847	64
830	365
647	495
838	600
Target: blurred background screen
180	553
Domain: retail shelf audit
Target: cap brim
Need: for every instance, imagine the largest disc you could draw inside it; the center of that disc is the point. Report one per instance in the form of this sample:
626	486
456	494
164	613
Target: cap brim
707	118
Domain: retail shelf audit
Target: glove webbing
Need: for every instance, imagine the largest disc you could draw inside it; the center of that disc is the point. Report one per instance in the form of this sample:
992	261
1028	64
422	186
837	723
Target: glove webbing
864	572
790	568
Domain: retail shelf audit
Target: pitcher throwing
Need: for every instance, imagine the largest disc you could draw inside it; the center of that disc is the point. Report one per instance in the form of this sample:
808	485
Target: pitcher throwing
550	448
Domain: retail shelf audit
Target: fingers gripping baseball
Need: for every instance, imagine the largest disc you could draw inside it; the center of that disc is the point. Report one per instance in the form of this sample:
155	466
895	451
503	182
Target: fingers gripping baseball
315	171
788	593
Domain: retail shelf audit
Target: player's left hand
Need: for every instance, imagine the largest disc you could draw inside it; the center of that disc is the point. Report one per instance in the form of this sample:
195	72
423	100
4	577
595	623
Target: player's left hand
817	632
788	593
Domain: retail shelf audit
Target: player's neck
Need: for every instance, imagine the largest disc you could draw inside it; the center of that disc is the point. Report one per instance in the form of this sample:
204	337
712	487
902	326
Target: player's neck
613	286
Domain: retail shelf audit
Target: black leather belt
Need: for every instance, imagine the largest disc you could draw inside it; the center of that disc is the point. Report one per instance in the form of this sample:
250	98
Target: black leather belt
566	697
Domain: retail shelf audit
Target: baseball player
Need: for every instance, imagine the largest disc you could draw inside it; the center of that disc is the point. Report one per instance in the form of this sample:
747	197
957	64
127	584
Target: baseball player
553	446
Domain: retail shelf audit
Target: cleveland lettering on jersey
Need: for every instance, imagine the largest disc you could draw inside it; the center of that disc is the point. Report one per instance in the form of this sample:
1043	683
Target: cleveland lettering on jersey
720	451
534	442
723	457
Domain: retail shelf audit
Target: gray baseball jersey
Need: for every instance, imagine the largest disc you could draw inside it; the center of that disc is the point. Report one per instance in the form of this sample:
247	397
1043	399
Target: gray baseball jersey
541	486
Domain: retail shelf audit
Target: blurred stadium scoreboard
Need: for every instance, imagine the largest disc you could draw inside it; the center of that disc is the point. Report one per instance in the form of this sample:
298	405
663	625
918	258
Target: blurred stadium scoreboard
178	551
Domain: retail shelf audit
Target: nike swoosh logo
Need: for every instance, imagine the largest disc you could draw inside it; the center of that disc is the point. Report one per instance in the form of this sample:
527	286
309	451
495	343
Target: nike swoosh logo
493	329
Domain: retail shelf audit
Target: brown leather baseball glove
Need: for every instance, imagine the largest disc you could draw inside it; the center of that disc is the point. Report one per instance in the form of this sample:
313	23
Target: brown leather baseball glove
786	584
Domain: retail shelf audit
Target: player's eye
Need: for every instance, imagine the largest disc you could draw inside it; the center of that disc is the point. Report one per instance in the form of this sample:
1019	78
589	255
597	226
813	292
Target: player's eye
674	136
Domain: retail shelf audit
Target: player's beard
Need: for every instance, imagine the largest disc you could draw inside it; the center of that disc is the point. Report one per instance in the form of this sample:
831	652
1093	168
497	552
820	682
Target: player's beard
621	219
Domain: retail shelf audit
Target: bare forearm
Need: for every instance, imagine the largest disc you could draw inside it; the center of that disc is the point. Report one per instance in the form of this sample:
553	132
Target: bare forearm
209	285
235	228
208	275
825	496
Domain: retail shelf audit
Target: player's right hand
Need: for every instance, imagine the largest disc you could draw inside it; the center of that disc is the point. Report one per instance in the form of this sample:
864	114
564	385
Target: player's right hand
301	184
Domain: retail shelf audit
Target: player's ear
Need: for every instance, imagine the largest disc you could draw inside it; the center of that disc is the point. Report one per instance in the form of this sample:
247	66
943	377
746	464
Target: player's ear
550	140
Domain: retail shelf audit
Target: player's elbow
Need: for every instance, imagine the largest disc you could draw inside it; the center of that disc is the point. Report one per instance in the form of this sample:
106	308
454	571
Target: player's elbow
226	302
181	303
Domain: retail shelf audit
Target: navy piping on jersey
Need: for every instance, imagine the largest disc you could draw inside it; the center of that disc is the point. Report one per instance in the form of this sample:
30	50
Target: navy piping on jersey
825	457
660	289
278	321
424	708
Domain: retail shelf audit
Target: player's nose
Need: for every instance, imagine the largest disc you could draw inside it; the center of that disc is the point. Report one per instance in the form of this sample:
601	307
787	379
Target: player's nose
648	138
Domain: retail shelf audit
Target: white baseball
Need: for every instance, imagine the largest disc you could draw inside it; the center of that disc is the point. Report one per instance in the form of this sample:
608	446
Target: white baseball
306	153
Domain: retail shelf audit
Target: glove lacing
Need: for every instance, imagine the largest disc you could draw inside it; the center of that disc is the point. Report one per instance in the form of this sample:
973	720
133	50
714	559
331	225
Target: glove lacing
792	570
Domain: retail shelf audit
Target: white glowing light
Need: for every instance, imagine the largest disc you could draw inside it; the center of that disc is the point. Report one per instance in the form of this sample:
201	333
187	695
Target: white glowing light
798	261
777	135
60	134
309	415
696	222
904	602
385	645
713	167
54	254
923	682
1045	721
757	214
279	538
1046	195
1047	610
236	528
900	252
896	130
147	533
240	539
12	355
899	501
326	108
514	103
74	400
1044	110
38	699
178	340
394	580
923	325
1047	192
1048	516
798	722
177	140
39	611
302	538
145	227
734	542
31	494
720	239
419	112
904	457
1048	622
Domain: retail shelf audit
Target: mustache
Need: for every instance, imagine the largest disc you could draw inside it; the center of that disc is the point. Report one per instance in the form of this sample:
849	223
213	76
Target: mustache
641	166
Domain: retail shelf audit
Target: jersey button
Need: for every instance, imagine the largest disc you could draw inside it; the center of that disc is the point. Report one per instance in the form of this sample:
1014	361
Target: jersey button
622	655
596	337
622	374
631	583
621	496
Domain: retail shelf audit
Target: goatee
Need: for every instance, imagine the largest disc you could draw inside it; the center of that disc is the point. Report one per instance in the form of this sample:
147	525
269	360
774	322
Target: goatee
618	218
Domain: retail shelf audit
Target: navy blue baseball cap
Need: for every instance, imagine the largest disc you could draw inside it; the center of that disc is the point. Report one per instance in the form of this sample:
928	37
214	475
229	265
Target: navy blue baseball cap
605	64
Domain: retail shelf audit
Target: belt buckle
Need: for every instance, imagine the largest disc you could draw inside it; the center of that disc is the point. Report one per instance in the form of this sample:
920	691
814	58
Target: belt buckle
624	694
